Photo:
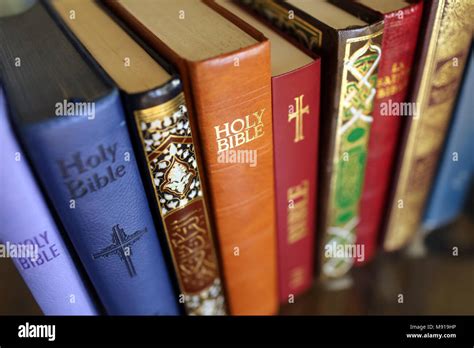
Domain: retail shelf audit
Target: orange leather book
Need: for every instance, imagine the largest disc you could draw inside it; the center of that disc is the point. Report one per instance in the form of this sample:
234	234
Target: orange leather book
295	96
225	68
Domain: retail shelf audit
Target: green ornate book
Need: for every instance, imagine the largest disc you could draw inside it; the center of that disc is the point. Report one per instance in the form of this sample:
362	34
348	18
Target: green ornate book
351	50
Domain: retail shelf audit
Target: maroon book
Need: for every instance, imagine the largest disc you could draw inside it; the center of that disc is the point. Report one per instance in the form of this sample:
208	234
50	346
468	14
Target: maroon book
295	105
402	23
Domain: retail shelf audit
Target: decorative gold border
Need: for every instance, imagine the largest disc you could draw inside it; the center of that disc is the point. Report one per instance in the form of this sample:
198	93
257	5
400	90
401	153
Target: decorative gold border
157	113
337	145
311	30
390	242
338	138
167	171
262	7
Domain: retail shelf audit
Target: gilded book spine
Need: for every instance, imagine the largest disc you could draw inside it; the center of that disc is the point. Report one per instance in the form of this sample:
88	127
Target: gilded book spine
358	89
345	127
166	138
448	36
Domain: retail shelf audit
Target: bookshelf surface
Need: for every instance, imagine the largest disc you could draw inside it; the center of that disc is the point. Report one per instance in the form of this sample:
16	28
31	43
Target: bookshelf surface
436	283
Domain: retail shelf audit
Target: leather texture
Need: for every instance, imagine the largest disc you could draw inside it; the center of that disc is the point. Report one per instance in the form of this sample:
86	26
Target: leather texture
295	157
111	227
398	47
454	177
242	197
446	39
26	220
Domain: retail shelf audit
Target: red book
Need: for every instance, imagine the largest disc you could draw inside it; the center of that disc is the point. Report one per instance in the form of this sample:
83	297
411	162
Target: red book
402	23
295	104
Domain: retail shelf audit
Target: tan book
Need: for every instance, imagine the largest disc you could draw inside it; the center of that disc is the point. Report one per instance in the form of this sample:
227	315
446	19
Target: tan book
446	40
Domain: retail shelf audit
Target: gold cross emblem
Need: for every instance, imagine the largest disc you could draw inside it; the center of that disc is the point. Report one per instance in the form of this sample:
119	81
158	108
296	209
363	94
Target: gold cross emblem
297	115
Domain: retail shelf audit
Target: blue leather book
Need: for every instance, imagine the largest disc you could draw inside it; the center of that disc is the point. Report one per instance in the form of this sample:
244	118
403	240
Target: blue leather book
456	170
154	98
73	127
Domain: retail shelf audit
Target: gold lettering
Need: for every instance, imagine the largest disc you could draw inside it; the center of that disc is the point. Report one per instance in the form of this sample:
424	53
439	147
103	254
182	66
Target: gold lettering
259	115
191	246
398	67
393	83
240	139
222	145
296	277
242	123
259	131
219	131
298	212
240	131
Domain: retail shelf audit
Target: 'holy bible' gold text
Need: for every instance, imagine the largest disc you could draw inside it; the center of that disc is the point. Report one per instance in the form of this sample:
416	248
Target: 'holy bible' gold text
240	131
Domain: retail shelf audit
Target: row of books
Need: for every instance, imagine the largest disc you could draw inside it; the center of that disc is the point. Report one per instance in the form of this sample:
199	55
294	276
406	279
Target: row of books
201	157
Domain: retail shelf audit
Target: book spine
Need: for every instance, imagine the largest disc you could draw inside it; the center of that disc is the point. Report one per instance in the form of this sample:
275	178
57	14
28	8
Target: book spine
361	57
456	170
398	47
447	38
295	132
27	222
87	165
234	121
168	146
346	117
229	103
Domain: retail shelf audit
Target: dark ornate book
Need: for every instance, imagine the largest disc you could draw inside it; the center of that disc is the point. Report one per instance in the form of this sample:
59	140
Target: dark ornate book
401	27
225	69
154	99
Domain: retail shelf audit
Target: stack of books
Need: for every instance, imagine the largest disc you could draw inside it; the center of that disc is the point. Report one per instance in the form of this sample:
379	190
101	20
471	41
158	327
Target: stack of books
216	157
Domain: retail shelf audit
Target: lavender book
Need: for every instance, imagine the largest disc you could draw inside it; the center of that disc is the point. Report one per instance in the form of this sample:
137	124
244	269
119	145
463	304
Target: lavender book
29	236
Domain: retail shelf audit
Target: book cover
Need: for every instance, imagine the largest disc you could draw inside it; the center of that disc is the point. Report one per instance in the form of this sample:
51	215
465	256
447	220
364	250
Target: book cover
74	130
446	37
227	85
27	222
295	106
455	172
401	27
350	55
160	122
295	97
